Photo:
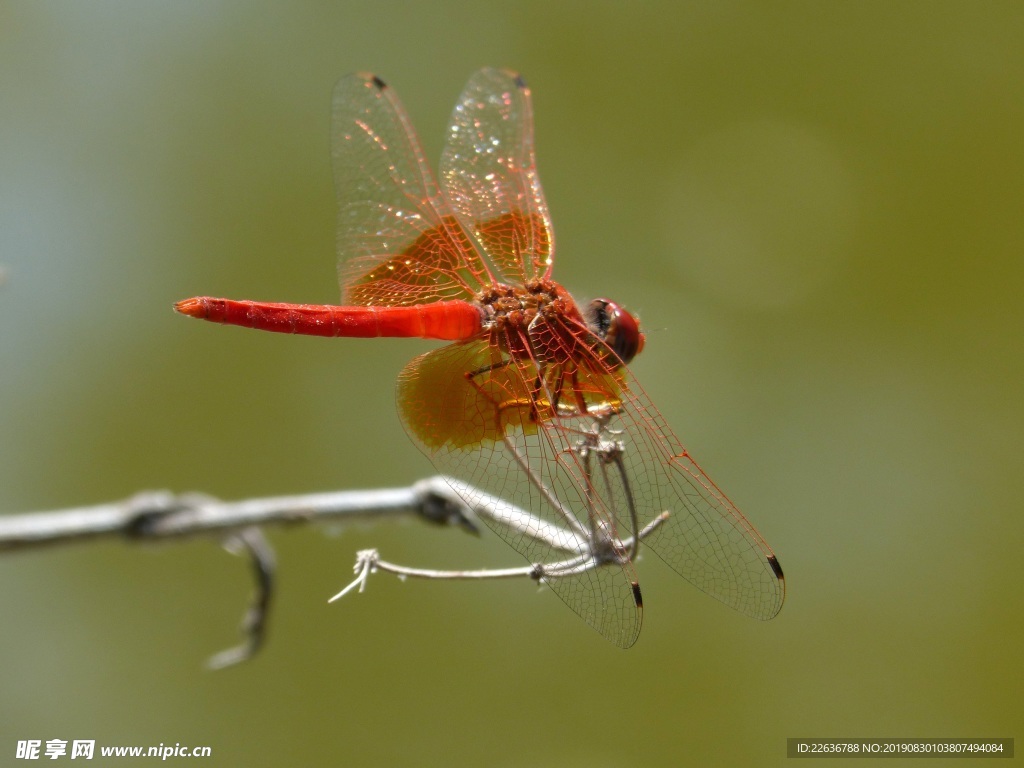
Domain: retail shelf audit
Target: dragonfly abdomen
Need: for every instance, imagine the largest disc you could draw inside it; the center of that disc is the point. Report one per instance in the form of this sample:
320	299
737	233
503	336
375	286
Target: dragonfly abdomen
445	320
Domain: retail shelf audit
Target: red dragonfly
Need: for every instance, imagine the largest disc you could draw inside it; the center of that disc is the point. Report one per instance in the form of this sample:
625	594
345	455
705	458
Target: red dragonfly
532	404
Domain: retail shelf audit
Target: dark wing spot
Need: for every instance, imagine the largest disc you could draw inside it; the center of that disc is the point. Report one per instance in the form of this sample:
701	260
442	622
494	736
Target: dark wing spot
637	597
520	82
379	83
776	568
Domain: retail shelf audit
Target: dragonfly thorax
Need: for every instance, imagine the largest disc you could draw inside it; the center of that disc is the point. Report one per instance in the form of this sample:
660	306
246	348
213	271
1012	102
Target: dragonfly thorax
510	308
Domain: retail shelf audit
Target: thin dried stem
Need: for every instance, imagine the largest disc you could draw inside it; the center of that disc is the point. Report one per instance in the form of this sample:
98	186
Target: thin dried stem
161	515
164	515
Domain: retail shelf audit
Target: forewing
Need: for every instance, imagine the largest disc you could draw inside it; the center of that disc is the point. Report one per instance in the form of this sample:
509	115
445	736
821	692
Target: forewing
704	537
398	243
478	430
489	175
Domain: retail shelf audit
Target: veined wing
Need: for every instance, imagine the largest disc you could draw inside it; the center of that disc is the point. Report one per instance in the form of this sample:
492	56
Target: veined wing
489	175
482	431
398	242
705	538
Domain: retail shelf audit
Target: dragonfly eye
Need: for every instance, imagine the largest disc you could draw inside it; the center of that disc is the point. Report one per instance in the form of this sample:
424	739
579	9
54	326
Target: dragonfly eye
616	327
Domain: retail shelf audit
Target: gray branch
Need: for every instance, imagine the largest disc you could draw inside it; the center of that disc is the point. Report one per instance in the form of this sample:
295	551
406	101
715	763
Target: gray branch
164	515
161	515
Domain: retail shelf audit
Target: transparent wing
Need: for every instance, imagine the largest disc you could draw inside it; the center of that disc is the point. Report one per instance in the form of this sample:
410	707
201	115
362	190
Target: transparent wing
481	431
489	175
398	242
705	538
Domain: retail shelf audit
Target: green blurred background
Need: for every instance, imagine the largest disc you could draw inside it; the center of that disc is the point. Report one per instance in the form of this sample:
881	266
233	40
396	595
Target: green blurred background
814	207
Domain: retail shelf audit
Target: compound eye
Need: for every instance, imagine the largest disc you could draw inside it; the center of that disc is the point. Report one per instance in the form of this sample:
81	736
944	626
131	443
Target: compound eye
619	329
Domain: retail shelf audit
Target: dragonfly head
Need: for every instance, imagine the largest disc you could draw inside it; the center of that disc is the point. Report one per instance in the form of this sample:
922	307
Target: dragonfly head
616	327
